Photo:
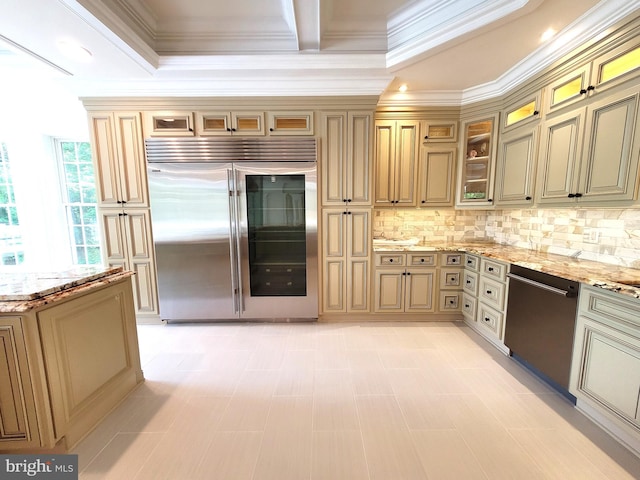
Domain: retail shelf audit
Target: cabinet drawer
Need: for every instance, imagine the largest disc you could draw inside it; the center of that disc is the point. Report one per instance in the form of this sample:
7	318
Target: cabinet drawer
610	307
390	259
471	262
452	259
494	268
468	307
470	283
450	278
490	319
426	260
450	301
492	293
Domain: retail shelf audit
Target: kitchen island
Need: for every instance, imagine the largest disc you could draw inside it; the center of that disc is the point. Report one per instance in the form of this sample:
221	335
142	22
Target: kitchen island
68	354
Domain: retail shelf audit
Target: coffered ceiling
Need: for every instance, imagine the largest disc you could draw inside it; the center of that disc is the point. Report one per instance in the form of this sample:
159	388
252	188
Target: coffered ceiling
447	51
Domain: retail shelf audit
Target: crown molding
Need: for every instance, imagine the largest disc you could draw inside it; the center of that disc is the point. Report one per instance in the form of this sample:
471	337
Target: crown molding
425	25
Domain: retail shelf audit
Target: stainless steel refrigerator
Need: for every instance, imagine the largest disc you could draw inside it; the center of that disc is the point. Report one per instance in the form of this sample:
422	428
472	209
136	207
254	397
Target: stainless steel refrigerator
235	228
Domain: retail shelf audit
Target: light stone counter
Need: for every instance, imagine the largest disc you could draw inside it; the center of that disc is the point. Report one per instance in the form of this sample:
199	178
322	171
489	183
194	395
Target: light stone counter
602	275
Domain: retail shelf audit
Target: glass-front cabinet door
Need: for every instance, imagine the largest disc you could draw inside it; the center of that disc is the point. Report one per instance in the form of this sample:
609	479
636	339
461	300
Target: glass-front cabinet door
476	170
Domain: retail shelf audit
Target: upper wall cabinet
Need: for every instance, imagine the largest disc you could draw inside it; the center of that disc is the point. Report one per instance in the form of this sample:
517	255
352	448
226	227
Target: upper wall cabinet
515	168
606	71
436	176
521	112
117	145
168	124
224	123
346	158
397	147
290	123
477	163
439	131
588	154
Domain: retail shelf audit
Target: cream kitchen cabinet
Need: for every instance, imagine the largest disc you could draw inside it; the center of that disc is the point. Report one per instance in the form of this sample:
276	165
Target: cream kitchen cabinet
436	176
396	160
439	131
451	275
405	282
118	154
225	123
18	418
346	259
484	297
606	71
516	167
589	154
123	202
65	363
128	244
290	122
605	371
168	124
476	169
470	277
347	153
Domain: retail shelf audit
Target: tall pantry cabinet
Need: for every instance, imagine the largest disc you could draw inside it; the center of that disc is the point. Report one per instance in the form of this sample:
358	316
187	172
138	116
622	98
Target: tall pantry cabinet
123	202
346	187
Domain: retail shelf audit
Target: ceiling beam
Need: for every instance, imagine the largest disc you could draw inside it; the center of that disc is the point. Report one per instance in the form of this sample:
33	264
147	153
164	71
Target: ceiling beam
303	17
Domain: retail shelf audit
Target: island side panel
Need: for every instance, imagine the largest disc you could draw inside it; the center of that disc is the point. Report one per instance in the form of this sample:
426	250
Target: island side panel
90	349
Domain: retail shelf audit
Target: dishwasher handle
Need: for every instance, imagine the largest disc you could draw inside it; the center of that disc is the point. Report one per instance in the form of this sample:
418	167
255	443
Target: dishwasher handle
543	286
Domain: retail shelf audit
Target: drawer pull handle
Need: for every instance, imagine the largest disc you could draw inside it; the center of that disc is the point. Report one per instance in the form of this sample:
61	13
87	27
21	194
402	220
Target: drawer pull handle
466	305
490	269
468	282
487	319
488	292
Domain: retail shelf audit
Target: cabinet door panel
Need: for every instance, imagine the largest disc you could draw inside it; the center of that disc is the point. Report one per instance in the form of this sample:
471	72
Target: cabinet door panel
133	171
114	237
606	358
420	290
333	159
610	163
138	226
144	287
16	400
334	233
385	153
405	165
103	146
515	171
436	171
334	286
358	176
358	285
359	233
390	289
560	155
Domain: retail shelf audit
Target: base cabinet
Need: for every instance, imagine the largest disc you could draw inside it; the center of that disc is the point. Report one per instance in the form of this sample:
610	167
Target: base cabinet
18	420
65	365
605	374
405	282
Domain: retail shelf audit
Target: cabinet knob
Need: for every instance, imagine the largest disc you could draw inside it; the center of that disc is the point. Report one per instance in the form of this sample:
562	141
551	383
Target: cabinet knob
490	269
271	129
536	112
578	195
348	200
422	260
391	260
571	195
527	198
426	137
466	305
590	88
408	273
490	200
582	91
228	129
423	201
488	292
344	200
468	282
487	319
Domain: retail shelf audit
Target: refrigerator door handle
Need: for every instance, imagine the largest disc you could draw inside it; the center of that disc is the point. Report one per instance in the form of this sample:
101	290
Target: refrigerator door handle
234	208
233	241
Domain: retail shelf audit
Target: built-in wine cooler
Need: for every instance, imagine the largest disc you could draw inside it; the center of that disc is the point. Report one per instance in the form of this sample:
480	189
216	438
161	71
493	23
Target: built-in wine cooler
235	228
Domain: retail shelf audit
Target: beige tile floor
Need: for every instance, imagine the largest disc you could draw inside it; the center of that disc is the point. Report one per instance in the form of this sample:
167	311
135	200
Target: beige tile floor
326	401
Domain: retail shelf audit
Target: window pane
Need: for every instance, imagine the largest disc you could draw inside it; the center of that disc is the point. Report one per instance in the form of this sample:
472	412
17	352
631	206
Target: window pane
81	201
4	194
10	237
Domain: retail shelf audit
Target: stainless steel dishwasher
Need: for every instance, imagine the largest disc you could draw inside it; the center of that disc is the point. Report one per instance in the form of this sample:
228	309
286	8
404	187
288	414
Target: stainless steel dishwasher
541	317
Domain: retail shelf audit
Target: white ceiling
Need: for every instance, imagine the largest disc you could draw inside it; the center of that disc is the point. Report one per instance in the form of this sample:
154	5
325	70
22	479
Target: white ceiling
447	51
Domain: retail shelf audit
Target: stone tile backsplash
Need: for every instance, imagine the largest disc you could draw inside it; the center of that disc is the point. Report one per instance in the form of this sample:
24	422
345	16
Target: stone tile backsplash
605	235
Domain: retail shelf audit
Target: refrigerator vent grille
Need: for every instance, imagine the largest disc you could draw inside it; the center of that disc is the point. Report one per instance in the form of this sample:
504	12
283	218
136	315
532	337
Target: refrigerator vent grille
205	149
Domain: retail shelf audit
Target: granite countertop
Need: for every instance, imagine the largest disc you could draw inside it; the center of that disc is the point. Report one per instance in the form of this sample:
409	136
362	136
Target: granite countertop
25	286
610	277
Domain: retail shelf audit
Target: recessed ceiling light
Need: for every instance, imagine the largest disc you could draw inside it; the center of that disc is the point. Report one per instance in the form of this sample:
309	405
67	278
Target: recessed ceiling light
403	88
548	33
74	50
